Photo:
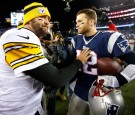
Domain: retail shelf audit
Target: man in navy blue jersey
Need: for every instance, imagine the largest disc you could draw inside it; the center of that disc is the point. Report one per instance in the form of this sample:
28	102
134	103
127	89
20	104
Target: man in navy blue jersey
102	44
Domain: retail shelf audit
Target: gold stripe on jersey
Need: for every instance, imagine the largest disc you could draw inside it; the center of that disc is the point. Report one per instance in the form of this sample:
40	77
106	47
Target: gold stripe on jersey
13	44
26	62
18	54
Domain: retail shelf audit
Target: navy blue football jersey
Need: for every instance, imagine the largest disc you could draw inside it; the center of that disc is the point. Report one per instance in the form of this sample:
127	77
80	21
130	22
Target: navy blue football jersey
102	44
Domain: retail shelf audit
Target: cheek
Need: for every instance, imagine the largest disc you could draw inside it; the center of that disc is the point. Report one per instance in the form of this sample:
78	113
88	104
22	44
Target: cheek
85	27
82	28
35	25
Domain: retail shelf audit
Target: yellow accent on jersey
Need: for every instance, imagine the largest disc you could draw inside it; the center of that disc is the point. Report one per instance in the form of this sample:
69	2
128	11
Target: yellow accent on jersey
26	62
18	54
11	44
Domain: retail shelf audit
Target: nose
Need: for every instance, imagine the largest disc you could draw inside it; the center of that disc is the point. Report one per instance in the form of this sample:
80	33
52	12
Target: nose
46	22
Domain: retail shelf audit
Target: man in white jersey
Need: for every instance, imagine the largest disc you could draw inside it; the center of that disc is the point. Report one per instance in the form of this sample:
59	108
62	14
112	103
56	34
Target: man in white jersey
24	69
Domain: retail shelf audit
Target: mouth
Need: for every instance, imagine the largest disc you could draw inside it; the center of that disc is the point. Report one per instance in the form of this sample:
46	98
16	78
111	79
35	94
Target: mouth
45	28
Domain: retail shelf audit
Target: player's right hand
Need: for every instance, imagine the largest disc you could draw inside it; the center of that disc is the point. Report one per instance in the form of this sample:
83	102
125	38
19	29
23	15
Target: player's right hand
84	55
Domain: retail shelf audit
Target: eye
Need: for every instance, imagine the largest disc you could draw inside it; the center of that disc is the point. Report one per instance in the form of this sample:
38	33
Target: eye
40	18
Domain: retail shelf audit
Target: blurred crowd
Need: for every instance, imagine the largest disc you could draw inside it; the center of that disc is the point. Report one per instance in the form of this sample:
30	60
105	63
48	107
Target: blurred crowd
57	49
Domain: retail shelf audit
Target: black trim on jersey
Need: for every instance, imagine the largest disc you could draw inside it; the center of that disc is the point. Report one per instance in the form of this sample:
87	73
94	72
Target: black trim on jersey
129	59
31	8
48	74
25	61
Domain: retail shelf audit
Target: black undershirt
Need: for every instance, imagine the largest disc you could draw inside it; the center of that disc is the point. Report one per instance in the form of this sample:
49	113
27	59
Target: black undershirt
49	74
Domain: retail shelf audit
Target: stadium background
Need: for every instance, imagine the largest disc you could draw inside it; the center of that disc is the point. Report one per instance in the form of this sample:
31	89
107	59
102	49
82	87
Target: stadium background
121	12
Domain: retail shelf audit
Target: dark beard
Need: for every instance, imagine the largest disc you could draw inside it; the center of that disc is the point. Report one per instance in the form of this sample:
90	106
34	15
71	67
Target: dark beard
38	29
40	32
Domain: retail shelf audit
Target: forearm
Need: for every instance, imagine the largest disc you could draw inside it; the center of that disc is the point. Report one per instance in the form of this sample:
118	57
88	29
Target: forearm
67	62
50	75
128	74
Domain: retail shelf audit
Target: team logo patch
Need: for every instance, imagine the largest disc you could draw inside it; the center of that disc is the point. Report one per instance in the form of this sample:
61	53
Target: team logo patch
123	45
41	10
124	37
111	109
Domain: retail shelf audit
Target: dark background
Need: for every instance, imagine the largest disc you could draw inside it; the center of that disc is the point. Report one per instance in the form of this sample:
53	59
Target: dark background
56	8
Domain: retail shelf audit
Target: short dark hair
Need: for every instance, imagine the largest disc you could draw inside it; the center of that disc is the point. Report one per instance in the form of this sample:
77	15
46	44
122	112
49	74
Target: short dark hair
91	14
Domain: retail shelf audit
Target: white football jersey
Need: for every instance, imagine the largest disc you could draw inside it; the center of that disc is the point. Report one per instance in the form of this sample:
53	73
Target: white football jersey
20	94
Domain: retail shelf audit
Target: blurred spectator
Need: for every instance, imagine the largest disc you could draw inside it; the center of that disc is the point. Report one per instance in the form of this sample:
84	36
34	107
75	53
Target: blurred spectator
111	26
59	53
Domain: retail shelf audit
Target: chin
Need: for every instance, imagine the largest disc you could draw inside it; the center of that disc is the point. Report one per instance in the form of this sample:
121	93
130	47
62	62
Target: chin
79	32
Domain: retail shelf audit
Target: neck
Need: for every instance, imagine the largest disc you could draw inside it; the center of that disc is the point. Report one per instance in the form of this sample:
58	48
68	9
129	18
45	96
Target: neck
31	29
28	27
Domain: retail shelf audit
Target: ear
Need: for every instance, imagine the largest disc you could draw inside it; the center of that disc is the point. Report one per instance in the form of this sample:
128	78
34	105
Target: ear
91	22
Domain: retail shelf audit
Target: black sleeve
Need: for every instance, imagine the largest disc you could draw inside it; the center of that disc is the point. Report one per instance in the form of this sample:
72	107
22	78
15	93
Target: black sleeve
66	62
129	59
48	74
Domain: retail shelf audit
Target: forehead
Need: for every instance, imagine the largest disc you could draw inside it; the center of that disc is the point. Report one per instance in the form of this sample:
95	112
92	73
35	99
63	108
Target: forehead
43	17
81	17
